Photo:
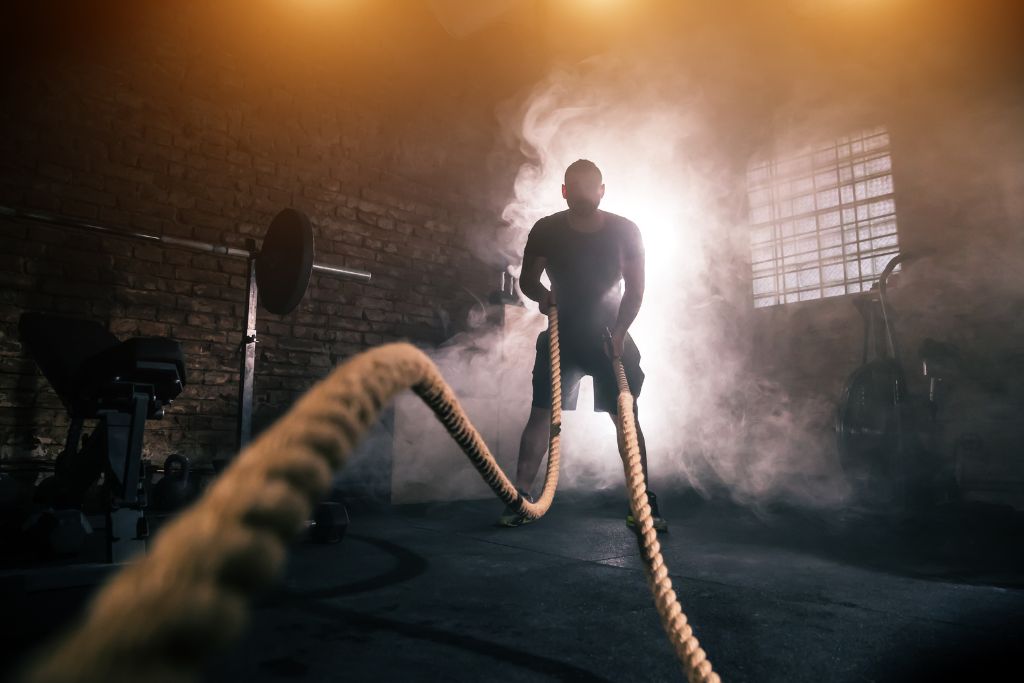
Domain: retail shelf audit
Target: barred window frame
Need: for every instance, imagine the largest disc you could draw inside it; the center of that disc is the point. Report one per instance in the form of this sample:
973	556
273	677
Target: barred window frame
822	222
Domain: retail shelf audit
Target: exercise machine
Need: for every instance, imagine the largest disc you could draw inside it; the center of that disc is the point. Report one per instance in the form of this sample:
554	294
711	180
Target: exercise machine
882	430
121	384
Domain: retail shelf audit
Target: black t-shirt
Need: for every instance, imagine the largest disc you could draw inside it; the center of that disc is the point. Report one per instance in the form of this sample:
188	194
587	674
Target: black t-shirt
585	269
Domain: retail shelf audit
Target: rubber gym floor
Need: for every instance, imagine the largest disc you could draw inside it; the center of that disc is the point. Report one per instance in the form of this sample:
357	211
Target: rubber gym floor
438	592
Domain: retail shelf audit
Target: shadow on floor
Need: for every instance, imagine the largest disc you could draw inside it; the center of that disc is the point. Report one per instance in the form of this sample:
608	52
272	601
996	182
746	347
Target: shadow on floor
970	543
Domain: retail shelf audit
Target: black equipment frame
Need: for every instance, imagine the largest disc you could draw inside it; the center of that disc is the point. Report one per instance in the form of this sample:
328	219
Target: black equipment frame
247	366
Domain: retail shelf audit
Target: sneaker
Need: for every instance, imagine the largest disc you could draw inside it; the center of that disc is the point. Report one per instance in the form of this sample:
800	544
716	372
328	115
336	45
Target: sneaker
511	516
659	523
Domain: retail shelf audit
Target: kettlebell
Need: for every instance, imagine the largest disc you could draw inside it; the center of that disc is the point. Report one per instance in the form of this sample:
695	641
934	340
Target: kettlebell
175	489
329	523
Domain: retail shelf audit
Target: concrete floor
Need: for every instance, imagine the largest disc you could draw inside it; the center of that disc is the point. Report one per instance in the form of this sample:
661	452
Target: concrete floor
437	592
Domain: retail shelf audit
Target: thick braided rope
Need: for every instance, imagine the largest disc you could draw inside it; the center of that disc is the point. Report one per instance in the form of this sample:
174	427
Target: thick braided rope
436	393
162	617
696	665
555	433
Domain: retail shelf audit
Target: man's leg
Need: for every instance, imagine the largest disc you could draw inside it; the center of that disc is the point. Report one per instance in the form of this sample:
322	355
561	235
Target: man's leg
641	442
659	523
532	447
534	442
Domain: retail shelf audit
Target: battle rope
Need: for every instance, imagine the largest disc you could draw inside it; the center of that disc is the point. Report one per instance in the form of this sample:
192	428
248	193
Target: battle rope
696	665
162	617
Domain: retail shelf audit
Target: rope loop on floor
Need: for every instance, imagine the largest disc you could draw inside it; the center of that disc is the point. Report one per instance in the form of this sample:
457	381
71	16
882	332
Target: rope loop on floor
161	618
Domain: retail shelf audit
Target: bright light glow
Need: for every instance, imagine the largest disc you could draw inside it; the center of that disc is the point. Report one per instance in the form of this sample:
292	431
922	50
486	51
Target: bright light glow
643	183
709	419
636	148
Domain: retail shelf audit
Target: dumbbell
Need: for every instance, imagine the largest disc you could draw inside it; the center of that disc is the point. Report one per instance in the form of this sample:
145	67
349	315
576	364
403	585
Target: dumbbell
176	488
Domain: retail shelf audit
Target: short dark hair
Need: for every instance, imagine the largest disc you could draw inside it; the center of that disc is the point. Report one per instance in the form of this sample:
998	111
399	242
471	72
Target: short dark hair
583	166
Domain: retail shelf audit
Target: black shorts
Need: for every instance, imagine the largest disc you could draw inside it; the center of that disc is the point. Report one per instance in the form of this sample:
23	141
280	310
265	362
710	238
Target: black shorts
579	359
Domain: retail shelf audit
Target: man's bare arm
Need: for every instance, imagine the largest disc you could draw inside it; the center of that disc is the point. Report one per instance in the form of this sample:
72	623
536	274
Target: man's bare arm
633	273
529	281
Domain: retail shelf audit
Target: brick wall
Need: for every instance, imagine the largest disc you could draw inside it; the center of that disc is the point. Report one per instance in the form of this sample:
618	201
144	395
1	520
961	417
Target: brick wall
184	120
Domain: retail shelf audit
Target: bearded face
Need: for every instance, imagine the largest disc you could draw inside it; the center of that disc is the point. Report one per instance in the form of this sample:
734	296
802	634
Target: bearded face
582	206
583	193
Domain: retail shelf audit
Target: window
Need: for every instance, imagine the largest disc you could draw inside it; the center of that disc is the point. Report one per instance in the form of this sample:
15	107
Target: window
822	223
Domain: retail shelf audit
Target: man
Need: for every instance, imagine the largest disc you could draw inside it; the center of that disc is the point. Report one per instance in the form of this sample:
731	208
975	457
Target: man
587	254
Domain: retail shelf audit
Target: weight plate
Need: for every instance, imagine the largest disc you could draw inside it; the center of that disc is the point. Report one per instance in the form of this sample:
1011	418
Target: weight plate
285	262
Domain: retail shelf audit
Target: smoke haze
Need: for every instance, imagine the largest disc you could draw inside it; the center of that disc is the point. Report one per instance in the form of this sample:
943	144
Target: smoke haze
673	115
710	421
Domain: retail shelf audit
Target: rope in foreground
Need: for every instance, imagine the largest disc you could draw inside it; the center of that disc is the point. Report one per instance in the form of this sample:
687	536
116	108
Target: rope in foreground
696	665
162	617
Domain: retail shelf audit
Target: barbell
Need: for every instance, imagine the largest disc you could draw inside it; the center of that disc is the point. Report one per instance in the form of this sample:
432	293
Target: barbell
278	277
282	266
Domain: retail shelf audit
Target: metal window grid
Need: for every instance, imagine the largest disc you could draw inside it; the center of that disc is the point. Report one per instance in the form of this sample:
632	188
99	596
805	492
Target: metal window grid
822	223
